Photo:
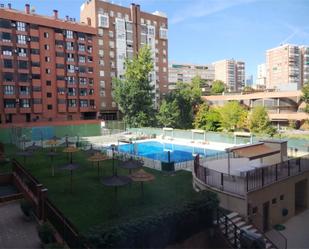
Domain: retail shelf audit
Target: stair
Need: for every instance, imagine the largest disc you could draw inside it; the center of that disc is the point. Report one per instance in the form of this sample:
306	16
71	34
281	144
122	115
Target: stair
235	220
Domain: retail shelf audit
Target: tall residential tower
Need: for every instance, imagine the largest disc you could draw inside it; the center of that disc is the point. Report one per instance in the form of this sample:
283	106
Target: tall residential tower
121	33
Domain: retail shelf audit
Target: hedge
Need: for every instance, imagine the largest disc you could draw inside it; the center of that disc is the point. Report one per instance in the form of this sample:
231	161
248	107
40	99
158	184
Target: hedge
159	229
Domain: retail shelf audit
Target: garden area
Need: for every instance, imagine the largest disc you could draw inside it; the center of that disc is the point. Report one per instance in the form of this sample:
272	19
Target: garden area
91	206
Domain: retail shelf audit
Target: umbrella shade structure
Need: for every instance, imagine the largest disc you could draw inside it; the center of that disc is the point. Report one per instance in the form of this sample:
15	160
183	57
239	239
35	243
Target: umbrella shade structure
92	151
33	147
24	154
98	157
51	155
70	167
116	181
142	176
71	150
131	164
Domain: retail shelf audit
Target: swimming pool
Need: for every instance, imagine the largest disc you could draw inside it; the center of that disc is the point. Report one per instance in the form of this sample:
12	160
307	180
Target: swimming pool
159	151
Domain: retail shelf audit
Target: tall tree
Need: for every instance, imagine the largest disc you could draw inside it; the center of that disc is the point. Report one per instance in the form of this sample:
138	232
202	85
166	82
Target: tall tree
233	116
305	97
134	93
259	121
218	86
207	118
168	114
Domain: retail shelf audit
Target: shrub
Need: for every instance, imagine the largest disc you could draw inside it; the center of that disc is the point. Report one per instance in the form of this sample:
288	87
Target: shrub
54	246
46	233
26	207
158	229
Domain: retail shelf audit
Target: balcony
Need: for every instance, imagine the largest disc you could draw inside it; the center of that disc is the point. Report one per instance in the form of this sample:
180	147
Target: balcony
72	109
25	110
248	180
10	110
37	108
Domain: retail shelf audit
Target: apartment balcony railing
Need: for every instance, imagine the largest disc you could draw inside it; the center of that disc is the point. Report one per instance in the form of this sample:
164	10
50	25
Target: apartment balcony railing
250	180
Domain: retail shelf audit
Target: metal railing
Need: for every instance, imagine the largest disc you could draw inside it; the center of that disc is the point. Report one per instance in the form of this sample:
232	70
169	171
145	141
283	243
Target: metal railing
252	180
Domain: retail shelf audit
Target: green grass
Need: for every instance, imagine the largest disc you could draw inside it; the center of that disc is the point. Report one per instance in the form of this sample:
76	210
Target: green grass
91	203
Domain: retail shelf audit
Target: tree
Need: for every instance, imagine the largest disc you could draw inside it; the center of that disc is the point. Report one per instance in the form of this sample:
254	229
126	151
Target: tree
168	114
218	86
233	116
259	121
305	97
207	118
134	94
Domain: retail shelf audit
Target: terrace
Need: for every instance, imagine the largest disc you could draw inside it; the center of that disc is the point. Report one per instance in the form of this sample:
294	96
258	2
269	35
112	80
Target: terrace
247	168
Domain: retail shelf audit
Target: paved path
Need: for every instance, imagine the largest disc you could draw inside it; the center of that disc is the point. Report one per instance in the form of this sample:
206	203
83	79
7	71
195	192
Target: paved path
15	231
297	231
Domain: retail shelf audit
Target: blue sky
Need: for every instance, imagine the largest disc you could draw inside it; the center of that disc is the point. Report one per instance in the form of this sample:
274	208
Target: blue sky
202	31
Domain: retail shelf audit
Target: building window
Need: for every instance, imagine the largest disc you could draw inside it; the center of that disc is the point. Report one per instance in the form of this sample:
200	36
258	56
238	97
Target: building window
102	83
71	102
24	103
7	63
24	90
81	47
83	103
9	90
274	201
101	43
36	89
70	57
21	39
7	51
102	93
22	52
111	44
22	64
111	34
89	49
46	35
111	54
70	68
90	69
61	90
48	83
90	59
69	34
82	59
101	73
46	46
254	210
103	21
70	45
9	103
71	92
101	62
100	32
82	81
281	197
71	80
83	91
21	26
35	51
101	52
6	37
37	101
49	107
47	70
48	95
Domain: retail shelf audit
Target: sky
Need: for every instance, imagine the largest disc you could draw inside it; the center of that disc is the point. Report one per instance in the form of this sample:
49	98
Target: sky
203	31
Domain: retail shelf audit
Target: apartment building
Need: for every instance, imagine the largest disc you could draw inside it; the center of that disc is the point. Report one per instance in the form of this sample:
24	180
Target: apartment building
304	64
47	68
121	33
261	76
232	73
186	72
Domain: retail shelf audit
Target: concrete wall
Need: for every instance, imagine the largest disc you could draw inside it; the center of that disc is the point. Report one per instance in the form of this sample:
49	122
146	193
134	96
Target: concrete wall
287	189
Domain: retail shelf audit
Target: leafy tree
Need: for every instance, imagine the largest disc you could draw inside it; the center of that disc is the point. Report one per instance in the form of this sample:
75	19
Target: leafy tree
248	89
232	116
259	121
134	93
168	114
305	97
207	118
218	86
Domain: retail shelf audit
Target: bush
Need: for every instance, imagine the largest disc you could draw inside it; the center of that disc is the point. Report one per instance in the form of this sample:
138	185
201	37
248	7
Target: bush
26	207
158	229
54	246
46	233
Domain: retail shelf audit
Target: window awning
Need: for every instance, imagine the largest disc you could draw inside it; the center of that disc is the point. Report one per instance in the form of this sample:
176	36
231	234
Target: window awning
254	151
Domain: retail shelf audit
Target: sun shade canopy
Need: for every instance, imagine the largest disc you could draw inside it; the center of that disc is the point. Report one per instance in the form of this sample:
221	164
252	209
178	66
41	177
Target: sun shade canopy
254	151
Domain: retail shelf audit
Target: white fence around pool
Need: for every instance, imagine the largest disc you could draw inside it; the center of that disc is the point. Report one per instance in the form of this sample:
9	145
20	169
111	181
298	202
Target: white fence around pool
148	162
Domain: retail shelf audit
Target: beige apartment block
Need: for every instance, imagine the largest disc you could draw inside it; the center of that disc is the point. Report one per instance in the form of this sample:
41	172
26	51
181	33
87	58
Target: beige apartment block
232	73
186	72
122	32
284	67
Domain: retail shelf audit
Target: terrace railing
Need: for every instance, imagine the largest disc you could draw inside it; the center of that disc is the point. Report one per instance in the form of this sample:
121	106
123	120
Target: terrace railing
252	180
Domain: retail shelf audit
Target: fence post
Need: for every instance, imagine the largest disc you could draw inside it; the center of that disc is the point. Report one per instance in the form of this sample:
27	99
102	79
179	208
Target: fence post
288	167
43	199
276	172
262	177
222	181
205	174
299	167
39	197
247	180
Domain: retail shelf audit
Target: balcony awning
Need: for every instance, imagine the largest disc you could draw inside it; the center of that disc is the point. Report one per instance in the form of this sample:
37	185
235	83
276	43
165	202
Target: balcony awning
254	151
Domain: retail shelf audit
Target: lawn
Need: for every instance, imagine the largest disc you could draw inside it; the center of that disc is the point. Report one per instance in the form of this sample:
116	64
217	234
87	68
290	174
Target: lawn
91	203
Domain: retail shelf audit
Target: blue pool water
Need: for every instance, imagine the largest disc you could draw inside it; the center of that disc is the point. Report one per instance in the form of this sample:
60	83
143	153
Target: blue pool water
159	151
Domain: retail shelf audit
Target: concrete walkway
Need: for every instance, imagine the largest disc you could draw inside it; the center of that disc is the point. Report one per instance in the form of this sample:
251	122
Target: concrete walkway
297	231
15	231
